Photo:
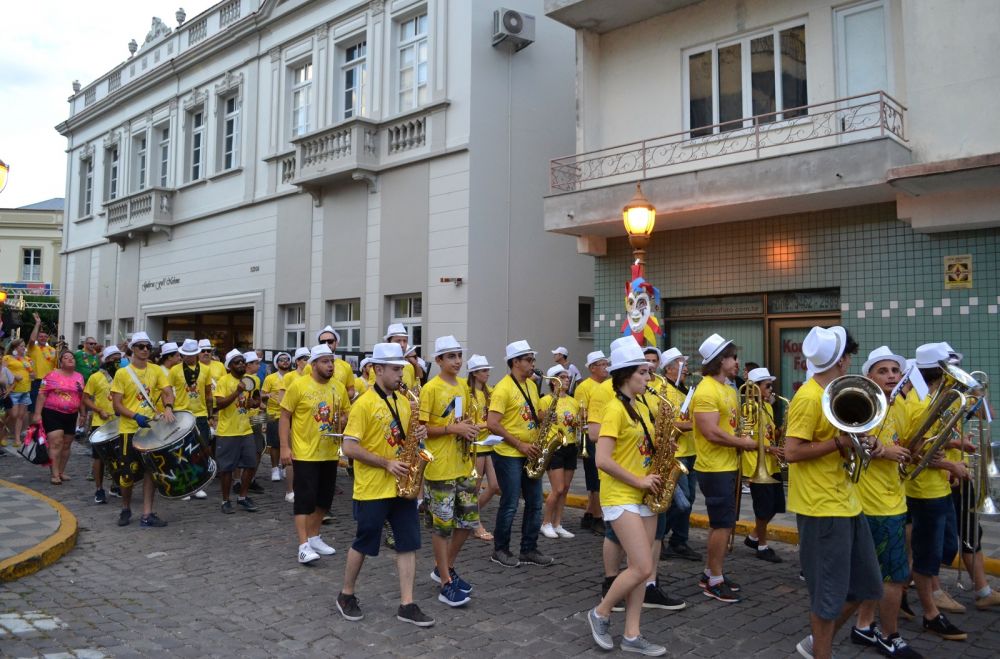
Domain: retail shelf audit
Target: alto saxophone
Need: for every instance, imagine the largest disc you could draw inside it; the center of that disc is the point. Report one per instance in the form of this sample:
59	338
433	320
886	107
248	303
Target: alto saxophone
665	463
547	447
414	456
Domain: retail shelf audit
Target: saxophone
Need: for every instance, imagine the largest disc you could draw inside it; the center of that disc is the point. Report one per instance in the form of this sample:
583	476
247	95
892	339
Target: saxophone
665	463
547	447
415	457
470	444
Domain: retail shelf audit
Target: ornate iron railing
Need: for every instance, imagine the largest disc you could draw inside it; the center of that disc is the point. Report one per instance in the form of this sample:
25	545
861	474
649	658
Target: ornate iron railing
866	116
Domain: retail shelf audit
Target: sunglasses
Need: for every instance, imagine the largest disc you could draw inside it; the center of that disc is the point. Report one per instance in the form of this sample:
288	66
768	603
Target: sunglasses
530	360
236	362
206	352
142	346
329	341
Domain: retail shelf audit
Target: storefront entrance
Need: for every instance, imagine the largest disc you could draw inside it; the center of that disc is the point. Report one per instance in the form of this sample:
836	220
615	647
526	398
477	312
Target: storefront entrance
227	330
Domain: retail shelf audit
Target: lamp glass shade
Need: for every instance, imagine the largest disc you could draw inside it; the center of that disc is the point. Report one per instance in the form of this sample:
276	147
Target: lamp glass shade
639	220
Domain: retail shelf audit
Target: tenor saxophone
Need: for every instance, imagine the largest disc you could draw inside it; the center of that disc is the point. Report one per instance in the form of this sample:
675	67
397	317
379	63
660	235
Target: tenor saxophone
665	462
414	456
547	445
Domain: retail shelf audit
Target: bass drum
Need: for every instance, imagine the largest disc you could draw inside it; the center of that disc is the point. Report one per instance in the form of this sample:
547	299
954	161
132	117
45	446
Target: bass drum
106	444
174	454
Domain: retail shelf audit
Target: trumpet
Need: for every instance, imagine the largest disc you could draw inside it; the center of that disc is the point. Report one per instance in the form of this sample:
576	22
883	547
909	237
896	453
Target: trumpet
855	405
582	433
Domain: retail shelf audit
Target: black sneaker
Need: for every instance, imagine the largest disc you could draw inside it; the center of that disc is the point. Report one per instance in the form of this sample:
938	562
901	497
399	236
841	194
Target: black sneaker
868	636
943	628
732	585
116	491
721	592
598	526
504	558
751	543
656	598
100	496
587	522
682	551
151	521
412	614
247	504
535	557
255	487
768	555
895	646
349	607
227	508
904	608
124	517
618	606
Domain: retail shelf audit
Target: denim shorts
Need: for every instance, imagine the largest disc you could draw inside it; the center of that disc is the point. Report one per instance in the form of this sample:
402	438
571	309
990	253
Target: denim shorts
934	539
23	398
372	514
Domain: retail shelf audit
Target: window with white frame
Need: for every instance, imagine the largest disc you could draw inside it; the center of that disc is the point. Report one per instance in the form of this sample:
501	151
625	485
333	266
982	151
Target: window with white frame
163	155
140	158
87	186
104	332
31	264
408	310
301	97
111	162
345	317
412	68
230	132
196	162
294	316
125	327
79	333
763	73
354	79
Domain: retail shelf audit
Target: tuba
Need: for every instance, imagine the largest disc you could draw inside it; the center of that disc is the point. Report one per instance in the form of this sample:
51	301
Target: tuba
665	463
547	447
414	456
855	405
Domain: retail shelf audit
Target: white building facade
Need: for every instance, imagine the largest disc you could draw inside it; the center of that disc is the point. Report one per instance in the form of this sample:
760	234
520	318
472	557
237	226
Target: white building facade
259	172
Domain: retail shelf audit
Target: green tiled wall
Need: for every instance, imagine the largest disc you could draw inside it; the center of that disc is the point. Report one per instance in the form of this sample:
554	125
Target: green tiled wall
891	279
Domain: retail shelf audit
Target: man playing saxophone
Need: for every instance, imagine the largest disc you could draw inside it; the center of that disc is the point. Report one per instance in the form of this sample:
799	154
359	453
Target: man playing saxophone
768	497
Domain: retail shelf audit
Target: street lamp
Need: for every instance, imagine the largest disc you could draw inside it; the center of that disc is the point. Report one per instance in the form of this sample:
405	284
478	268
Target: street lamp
4	169
640	217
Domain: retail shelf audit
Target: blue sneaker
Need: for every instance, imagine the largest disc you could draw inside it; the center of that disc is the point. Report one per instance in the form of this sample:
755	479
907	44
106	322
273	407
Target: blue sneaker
462	584
151	521
452	596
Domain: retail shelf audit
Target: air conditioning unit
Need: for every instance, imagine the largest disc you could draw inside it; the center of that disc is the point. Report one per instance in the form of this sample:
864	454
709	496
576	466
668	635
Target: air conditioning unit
513	29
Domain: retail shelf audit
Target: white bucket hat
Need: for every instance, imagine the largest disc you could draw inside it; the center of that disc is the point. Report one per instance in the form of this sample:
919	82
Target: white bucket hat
760	375
627	355
556	370
881	354
250	356
561	351
233	354
669	356
329	329
824	347
396	329
364	362
205	344
168	348
300	353
519	349
446	344
478	363
953	357
712	347
389	354
189	348
321	350
649	349
110	352
280	355
930	354
139	337
595	356
623	341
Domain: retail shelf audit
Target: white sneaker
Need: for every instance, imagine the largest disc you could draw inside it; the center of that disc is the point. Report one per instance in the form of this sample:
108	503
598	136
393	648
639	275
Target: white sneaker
320	547
548	531
563	533
187	498
275	475
283	475
306	553
200	494
290	497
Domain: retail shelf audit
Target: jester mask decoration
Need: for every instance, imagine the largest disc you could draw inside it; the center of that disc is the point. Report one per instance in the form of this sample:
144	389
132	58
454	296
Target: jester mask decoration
642	299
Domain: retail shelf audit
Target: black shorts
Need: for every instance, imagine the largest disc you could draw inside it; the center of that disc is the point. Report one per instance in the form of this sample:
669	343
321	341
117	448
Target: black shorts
53	421
564	458
970	531
271	435
719	490
590	477
313	485
768	500
372	514
235	452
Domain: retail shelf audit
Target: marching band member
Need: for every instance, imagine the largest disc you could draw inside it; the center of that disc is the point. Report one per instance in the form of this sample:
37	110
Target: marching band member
192	385
342	370
561	357
835	542
624	454
396	333
270	395
513	415
563	463
361	379
597	364
452	502
674	366
136	409
313	409
234	443
479	369
252	368
715	408
768	498
883	501
97	398
374	438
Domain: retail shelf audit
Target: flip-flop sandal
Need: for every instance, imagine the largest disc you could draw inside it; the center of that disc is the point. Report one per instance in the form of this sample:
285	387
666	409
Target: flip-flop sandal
55	481
483	535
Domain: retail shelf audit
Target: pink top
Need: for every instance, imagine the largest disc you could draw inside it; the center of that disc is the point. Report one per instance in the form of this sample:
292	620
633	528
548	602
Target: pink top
63	392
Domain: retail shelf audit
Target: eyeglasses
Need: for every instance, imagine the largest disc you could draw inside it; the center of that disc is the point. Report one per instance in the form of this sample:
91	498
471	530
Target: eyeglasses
530	360
206	352
142	346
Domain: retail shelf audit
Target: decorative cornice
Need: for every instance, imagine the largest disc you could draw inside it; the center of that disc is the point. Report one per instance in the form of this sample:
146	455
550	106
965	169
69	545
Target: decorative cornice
377	7
275	54
195	99
111	139
230	82
87	152
322	31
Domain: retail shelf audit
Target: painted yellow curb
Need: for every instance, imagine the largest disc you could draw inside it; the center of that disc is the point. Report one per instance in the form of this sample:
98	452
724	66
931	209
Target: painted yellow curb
49	550
784	534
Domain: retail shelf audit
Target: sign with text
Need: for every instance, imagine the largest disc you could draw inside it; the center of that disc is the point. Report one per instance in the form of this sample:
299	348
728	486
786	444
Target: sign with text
958	271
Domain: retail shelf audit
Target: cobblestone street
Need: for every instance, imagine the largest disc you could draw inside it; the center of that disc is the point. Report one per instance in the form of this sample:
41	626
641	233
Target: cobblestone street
216	585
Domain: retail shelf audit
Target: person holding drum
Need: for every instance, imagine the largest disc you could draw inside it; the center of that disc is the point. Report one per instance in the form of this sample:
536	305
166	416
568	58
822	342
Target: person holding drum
134	392
234	445
97	399
58	405
192	384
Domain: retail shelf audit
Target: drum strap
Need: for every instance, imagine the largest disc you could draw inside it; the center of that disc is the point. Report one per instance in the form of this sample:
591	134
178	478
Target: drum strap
139	386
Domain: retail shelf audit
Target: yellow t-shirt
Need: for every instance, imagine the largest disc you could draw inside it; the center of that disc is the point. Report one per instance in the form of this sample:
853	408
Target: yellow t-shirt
289	378
437	409
189	397
881	491
153	380
567	412
632	451
819	487
484	432
44	358
749	458
930	483
216	371
409	376
600	396
372	425
714	396
342	372
273	385
685	441
234	420
316	409
360	386
23	367
98	387
583	391
515	413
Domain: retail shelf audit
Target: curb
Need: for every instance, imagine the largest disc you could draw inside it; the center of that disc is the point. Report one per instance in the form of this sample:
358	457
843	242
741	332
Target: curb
784	534
49	550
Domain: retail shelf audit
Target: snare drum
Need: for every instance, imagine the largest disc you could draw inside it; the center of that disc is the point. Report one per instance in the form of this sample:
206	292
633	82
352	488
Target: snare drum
106	442
174	454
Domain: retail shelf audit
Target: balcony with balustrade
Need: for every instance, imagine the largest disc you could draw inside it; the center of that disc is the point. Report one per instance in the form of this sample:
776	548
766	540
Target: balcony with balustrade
139	214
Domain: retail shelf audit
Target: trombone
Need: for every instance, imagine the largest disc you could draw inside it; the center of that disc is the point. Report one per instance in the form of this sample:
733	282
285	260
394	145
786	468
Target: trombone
977	493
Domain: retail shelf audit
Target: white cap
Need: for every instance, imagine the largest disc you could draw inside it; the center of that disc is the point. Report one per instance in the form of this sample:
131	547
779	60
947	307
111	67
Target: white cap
953	357
330	330
300	353
518	349
556	370
669	356
251	356
233	354
881	354
321	350
824	347
396	329
205	344
110	352
760	375
445	344
138	337
561	351
595	356
623	341
477	363
168	348
930	354
712	347
189	348
390	354
627	355
280	355
364	362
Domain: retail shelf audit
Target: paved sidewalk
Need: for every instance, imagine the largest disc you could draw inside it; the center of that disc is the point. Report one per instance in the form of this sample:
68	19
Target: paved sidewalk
229	585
